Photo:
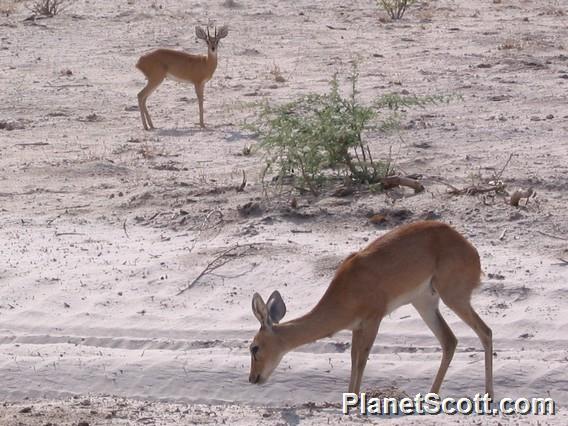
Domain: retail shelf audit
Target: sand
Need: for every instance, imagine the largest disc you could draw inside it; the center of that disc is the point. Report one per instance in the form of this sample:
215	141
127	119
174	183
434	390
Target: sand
103	223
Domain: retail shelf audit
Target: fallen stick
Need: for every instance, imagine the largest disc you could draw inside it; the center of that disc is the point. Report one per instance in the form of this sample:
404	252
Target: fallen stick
220	260
452	187
498	175
552	236
81	206
32	144
331	27
393	181
474	190
50	221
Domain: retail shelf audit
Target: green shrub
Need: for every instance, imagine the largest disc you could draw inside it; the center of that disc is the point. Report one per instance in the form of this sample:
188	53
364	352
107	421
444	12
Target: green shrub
395	8
319	137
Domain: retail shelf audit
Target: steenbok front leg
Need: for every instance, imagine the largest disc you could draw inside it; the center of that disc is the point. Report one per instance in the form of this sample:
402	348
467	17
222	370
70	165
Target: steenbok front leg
362	342
427	307
200	92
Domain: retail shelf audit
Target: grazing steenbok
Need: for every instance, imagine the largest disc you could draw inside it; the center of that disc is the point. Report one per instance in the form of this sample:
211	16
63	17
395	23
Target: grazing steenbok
419	263
196	69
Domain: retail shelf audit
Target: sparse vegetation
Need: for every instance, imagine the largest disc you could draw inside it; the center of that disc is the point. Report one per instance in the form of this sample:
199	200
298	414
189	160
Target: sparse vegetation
49	8
395	8
276	74
510	44
321	137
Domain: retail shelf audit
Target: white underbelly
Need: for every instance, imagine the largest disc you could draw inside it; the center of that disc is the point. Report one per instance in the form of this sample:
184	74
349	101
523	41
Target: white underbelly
181	80
407	298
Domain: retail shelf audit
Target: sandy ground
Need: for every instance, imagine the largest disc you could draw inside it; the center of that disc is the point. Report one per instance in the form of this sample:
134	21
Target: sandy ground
102	223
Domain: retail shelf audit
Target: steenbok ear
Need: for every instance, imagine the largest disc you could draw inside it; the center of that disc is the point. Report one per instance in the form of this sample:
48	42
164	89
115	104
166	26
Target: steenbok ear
276	307
222	32
260	311
200	33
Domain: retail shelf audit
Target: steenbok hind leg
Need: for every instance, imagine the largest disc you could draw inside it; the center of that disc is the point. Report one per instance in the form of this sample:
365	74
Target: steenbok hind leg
464	310
142	113
427	307
142	97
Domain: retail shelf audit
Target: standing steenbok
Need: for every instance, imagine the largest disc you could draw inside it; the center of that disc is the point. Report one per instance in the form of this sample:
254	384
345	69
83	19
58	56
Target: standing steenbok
417	263
196	69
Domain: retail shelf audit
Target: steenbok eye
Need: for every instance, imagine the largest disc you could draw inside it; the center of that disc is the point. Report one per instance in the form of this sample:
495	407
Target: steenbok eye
254	350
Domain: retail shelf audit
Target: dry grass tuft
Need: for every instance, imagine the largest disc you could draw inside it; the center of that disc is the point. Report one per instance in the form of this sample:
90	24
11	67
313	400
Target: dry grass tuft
48	8
511	44
276	73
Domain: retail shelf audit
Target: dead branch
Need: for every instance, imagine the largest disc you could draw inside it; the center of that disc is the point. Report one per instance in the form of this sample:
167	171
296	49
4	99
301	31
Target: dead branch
452	187
50	221
80	206
475	189
205	221
331	27
32	144
59	234
564	262
498	175
220	260
394	181
240	274
552	236
518	195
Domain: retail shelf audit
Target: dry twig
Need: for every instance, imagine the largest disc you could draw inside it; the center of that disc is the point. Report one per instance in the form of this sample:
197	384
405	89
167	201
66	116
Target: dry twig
498	175
475	189
220	260
80	206
552	236
59	234
205	221
32	144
